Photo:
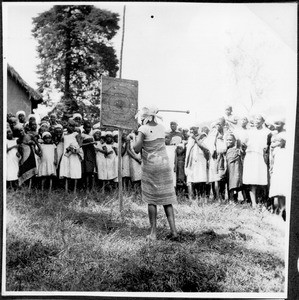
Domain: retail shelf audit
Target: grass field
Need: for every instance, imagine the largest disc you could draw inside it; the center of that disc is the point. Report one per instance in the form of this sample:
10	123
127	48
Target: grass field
66	243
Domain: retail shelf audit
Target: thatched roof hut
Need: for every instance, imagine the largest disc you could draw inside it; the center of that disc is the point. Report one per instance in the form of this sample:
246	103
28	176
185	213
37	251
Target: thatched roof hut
20	96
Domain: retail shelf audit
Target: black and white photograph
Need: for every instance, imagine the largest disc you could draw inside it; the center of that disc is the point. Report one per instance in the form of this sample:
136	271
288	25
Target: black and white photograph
148	148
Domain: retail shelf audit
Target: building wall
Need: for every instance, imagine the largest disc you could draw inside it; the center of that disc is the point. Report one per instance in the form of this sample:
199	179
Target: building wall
17	99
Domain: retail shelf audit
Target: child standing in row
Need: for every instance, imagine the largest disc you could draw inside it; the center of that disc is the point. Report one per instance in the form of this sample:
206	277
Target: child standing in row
48	160
70	166
234	167
89	162
12	159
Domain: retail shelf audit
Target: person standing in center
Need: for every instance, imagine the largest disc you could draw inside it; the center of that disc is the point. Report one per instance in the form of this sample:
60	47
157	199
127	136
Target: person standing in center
156	181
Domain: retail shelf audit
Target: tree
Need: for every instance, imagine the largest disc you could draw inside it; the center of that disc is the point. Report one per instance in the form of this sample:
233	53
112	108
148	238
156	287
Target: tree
246	57
74	46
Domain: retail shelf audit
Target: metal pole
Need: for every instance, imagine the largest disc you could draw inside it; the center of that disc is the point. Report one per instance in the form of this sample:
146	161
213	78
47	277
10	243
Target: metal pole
178	111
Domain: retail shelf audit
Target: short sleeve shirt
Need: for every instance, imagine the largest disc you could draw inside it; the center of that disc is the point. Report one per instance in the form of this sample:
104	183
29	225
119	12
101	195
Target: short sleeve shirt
152	133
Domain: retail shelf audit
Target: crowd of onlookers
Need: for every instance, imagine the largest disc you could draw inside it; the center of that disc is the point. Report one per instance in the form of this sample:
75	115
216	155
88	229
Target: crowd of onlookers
238	159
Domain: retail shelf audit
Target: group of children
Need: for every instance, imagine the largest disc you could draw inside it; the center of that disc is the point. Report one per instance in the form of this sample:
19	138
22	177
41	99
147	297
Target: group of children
74	152
231	156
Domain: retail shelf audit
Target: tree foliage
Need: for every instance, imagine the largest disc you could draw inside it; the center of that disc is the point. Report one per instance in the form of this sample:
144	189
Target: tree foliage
74	47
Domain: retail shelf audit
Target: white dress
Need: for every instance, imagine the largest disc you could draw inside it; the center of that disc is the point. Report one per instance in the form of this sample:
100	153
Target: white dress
111	170
101	161
12	161
126	164
255	170
196	163
70	166
46	166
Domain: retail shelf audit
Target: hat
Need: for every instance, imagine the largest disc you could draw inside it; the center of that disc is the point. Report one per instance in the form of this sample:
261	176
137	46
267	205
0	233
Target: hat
109	133
103	133
115	133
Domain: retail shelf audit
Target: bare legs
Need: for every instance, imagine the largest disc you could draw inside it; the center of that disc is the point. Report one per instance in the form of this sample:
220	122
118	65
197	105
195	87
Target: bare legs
253	195
67	186
170	217
152	213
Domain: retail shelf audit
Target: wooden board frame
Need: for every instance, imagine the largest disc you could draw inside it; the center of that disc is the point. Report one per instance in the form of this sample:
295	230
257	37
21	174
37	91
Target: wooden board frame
119	103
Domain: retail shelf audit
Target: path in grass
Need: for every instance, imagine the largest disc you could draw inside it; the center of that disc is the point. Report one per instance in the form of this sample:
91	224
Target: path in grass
62	243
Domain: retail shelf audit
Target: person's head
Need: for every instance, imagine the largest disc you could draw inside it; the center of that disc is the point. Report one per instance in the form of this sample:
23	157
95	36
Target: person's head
228	110
47	137
205	129
279	125
58	131
21	116
194	129
103	137
149	114
64	121
31	118
259	121
109	137
115	136
87	126
19	131
244	122
282	142
53	118
8	116
97	134
45	119
173	126
32	125
221	121
9	134
230	140
185	132
78	119
180	149
13	122
71	126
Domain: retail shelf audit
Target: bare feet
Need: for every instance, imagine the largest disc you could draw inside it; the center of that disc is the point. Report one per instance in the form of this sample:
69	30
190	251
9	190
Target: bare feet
151	238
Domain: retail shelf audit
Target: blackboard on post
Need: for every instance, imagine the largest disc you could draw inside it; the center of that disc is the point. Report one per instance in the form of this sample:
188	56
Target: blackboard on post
119	103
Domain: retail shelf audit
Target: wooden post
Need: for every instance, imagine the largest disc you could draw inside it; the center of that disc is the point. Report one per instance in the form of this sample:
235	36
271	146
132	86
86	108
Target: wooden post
120	187
120	131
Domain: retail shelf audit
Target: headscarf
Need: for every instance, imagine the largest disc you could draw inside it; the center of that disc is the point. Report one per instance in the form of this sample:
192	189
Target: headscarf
77	115
58	126
95	131
46	133
32	116
149	113
20	112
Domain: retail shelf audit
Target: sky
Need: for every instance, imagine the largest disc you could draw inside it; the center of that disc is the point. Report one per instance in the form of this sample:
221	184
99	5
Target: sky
197	57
